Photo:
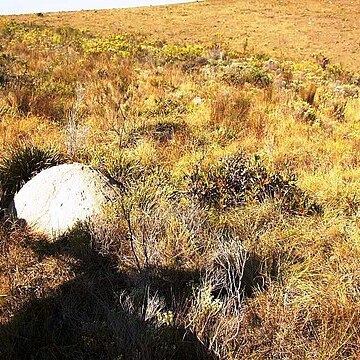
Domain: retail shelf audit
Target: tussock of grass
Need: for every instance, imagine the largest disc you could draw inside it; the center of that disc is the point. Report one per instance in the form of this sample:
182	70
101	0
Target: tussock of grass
19	165
207	253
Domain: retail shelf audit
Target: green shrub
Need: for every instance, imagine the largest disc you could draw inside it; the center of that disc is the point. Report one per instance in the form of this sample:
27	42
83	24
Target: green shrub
239	180
21	164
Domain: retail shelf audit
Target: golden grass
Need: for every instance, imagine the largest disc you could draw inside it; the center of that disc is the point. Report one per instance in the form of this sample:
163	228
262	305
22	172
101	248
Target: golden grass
255	279
291	28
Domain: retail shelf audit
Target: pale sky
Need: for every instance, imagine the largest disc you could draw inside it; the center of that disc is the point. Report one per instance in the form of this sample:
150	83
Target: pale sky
8	7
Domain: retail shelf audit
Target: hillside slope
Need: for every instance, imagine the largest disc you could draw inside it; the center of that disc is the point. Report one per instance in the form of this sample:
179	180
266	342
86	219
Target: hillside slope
276	27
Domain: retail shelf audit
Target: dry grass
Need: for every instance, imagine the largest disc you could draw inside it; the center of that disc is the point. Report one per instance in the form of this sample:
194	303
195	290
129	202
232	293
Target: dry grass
198	258
277	28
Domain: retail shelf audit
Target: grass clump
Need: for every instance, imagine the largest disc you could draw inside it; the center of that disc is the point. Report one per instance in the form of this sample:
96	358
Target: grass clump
20	165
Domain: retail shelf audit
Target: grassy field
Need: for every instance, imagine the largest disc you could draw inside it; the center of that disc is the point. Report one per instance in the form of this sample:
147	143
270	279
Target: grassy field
237	235
296	30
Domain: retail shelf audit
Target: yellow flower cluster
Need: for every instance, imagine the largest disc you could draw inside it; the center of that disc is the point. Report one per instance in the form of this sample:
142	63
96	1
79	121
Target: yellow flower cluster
166	318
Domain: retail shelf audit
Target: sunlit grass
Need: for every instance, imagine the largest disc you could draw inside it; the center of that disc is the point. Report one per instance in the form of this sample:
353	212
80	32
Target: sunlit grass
266	282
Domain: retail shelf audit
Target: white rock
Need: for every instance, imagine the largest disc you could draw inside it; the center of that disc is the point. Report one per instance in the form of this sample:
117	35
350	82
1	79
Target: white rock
57	198
197	100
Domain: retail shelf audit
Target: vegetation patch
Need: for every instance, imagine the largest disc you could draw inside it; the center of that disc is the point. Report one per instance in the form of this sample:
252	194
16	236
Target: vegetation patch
238	180
20	165
213	249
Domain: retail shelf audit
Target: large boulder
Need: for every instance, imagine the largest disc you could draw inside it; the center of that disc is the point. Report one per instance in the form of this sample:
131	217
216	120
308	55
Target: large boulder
57	198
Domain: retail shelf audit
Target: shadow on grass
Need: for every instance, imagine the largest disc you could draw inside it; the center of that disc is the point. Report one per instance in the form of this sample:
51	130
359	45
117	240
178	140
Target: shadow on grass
86	319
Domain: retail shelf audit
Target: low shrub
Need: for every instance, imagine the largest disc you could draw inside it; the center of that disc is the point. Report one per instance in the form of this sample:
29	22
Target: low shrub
242	73
239	180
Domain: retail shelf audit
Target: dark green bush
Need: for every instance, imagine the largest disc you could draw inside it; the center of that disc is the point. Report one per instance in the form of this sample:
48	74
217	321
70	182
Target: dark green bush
239	180
19	165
